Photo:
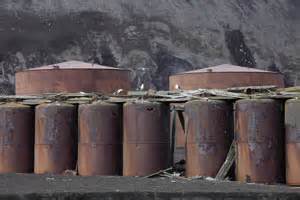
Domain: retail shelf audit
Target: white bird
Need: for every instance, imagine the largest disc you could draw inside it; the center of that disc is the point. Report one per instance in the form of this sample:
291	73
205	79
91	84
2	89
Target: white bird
142	86
177	87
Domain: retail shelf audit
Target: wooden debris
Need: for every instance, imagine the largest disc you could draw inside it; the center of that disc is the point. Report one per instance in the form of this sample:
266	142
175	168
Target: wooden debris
158	172
223	172
181	119
173	134
253	89
177	96
295	89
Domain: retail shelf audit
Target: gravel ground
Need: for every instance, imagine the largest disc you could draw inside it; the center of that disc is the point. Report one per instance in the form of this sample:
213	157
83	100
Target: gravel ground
30	186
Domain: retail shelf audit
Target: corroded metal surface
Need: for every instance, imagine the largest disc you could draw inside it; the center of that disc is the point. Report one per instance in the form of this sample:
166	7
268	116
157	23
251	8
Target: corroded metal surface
292	139
259	135
146	146
225	76
179	151
208	129
16	138
100	139
55	138
72	76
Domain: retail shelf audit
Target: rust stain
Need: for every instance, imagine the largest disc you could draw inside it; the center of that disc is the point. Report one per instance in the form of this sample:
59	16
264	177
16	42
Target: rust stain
225	76
259	135
208	129
292	139
16	138
146	146
100	139
55	138
72	76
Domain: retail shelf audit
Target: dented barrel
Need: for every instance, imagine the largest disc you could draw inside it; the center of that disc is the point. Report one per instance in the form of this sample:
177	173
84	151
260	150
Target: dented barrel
16	138
100	139
146	142
55	138
292	139
208	128
259	135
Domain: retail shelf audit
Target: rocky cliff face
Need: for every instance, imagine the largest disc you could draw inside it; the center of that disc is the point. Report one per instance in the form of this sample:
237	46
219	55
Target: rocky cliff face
155	38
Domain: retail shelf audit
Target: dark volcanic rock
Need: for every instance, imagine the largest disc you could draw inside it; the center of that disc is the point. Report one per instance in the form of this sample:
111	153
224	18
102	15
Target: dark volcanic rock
155	38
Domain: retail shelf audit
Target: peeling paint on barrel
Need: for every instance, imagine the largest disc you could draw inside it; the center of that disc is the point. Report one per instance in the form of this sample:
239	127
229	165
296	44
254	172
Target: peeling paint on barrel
292	139
209	129
100	139
16	138
259	134
146	145
55	138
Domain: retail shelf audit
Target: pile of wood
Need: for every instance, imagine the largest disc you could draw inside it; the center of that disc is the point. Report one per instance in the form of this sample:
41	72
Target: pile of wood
178	96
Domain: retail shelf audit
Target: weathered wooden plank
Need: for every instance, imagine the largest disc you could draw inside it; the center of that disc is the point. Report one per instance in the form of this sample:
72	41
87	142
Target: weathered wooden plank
228	163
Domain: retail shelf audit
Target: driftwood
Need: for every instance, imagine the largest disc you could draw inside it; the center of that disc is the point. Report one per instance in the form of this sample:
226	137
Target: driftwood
173	135
158	172
181	118
253	89
228	163
178	96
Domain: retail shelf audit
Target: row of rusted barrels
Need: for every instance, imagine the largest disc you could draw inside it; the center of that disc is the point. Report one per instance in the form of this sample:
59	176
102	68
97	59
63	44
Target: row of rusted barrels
266	134
95	139
134	139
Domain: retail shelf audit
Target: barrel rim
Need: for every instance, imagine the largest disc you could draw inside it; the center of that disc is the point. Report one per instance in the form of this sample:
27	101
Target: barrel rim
262	100
55	104
71	69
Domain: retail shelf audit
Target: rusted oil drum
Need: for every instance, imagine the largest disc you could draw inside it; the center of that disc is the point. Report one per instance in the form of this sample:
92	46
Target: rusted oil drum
146	142
72	76
100	139
292	139
259	134
209	126
16	138
55	138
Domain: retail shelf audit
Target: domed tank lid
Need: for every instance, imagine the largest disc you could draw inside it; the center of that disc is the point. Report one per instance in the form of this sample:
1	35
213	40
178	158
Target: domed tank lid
225	68
74	65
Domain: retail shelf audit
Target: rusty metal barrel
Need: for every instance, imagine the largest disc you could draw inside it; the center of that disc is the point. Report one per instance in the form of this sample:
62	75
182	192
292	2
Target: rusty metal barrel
292	139
146	138
55	138
100	139
209	129
16	138
259	135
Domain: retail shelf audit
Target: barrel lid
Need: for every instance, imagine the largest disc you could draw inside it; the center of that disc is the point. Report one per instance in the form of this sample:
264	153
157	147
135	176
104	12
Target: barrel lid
74	65
225	68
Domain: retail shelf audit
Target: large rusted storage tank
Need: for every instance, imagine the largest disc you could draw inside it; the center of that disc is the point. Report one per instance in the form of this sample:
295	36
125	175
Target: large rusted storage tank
146	139
72	76
100	139
292	139
225	76
16	138
259	134
55	138
209	127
